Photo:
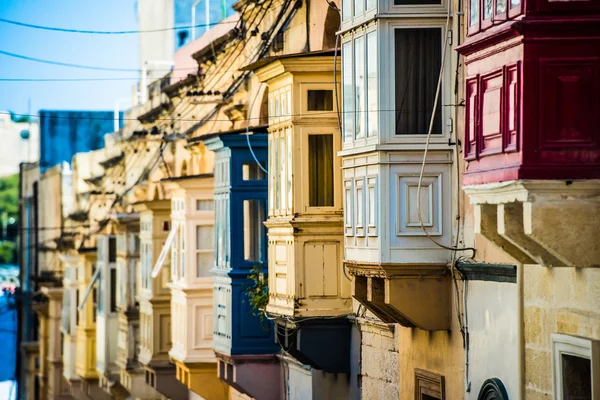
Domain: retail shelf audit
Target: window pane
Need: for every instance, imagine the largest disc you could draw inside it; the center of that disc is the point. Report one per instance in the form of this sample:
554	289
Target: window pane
514	3
348	96
418	61
487	9
182	250
205	237
282	157
371	205
320	170
359	7
288	135
254	215
113	290
272	175
204	263
359	207
500	6
372	84
320	100
346	4
278	167
112	249
205	205
474	12
174	266
371	4
359	88
252	172
576	377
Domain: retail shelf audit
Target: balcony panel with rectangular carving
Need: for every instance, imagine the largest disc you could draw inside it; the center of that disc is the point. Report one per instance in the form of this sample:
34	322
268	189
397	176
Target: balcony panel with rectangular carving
532	110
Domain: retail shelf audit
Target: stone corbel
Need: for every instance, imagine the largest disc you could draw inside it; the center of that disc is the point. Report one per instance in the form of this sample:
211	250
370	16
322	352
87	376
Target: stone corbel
412	295
550	223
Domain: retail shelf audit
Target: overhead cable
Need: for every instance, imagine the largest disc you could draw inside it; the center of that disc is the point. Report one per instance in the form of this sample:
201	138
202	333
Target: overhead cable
97	32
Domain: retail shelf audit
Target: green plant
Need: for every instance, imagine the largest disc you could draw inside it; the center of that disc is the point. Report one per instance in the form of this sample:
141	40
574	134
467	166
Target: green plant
258	293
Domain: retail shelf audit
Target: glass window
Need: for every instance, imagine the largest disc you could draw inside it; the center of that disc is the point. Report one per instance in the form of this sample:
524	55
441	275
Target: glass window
254	216
205	205
174	257
272	175
359	7
278	168
371	211
346	13
251	171
99	294
284	164
288	134
487	9
576	377
371	4
373	115
112	249
348	96
474	12
418	61
359	87
113	290
359	204
182	250
205	256
500	6
320	170
514	3
320	100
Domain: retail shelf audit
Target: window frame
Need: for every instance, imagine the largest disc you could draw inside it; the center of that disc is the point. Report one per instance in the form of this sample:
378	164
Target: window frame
579	347
390	95
198	251
495	17
305	168
350	141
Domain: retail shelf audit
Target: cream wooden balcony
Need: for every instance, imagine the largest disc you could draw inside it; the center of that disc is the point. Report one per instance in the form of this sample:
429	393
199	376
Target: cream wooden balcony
191	286
305	224
106	310
154	297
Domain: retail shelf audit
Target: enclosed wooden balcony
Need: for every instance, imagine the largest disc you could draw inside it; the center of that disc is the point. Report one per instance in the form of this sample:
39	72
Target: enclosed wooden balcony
154	297
191	284
243	341
305	224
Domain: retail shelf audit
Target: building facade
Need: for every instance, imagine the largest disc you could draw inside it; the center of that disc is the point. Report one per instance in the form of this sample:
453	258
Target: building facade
370	199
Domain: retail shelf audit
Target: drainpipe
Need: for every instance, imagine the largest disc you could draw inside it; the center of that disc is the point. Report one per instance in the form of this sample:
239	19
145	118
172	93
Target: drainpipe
521	331
206	17
145	75
116	118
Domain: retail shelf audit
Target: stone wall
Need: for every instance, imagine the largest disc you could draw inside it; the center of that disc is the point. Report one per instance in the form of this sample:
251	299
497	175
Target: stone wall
556	300
379	378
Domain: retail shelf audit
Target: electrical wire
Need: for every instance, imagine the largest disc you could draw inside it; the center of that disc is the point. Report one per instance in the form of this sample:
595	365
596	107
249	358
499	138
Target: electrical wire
67	79
97	32
177	119
81	66
248	131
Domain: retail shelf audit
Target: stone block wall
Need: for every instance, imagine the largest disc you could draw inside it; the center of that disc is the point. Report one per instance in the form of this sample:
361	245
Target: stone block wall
556	300
379	378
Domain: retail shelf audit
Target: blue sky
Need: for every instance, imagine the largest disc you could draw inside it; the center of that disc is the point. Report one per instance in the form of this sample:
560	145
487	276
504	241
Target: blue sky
115	51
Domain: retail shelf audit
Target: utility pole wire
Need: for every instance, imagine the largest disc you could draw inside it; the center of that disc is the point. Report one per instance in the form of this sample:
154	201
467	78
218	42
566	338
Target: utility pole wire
97	32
